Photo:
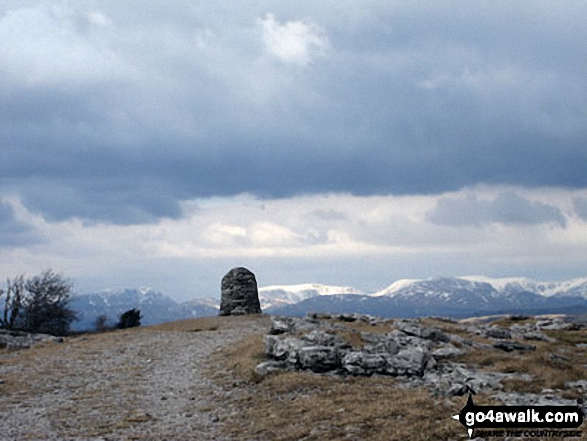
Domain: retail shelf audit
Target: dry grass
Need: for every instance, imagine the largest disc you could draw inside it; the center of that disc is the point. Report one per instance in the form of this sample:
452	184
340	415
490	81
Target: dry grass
207	324
294	406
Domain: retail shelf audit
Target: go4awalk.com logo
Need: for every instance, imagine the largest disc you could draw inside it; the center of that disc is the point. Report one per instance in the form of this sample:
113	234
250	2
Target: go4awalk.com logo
520	421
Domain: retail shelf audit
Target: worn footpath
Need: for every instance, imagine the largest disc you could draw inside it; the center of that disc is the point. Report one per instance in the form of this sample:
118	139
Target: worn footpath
140	384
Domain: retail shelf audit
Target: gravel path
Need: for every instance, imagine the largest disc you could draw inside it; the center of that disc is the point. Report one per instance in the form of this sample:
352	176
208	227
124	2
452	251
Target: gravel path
147	385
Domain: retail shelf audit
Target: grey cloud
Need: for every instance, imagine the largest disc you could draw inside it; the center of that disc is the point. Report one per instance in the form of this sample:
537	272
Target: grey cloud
408	100
580	205
13	232
506	208
330	215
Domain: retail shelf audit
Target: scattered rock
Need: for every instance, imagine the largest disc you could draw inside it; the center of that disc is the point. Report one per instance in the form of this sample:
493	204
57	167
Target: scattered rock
448	351
319	358
496	332
558	324
528	399
579	384
14	340
416	330
510	346
363	363
281	325
269	367
239	293
416	355
560	358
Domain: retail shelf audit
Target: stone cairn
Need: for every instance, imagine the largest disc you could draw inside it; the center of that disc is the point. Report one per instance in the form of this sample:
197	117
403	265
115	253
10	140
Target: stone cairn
239	293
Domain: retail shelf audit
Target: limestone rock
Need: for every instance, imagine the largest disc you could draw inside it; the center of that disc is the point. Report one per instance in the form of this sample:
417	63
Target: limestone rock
239	293
510	346
14	340
416	330
269	367
497	332
319	358
361	363
447	351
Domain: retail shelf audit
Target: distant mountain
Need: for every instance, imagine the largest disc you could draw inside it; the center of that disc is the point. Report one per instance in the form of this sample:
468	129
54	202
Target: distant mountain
441	296
453	297
568	288
281	295
155	307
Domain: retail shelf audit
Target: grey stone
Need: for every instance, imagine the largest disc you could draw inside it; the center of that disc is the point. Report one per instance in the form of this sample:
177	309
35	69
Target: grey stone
415	361
419	331
409	361
15	340
281	325
239	293
380	343
559	358
288	349
319	358
558	324
579	384
270	341
362	363
269	367
460	340
497	332
447	351
528	399
510	346
321	338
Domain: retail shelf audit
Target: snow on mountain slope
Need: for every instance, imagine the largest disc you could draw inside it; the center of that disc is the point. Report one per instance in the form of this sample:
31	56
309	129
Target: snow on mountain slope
395	287
568	288
440	291
280	295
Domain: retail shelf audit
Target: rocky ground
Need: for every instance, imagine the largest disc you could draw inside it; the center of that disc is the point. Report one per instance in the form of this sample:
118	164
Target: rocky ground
412	351
255	377
137	384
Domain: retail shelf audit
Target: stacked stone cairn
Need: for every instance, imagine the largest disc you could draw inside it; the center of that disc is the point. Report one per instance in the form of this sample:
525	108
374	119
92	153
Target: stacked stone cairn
239	295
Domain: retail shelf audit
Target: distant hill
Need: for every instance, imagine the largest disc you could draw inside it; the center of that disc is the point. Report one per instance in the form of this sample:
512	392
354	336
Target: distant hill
441	296
155	307
453	297
281	295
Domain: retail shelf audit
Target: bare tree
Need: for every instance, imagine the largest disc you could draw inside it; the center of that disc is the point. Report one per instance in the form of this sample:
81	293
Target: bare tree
13	302
39	304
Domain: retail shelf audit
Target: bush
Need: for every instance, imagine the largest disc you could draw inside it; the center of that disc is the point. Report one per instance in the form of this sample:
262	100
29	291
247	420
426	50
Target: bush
38	305
101	324
130	319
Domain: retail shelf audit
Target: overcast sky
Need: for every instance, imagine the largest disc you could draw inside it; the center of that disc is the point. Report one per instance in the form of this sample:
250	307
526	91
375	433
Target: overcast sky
163	143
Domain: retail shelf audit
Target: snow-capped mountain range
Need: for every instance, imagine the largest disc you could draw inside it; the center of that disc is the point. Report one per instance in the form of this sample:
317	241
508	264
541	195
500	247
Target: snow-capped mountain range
441	296
280	295
154	306
453	296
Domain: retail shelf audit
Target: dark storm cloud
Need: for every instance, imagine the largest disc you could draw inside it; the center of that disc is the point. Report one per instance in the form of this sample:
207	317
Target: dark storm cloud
506	208
185	101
